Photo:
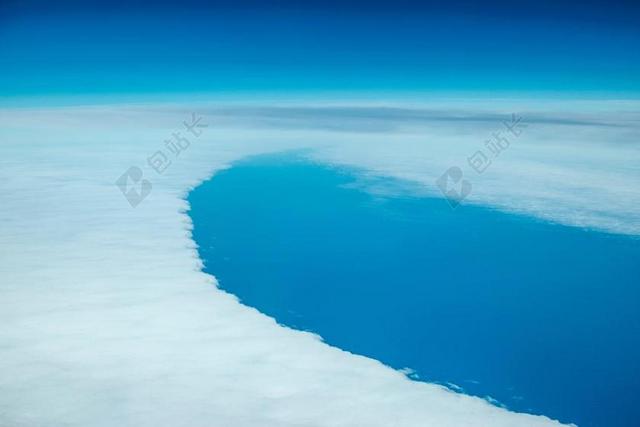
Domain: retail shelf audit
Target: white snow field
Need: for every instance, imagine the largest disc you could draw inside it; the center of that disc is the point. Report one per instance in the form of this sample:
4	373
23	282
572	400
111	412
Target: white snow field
107	320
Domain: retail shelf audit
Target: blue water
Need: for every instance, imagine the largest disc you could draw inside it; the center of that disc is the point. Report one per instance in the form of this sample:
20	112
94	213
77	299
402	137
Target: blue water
542	317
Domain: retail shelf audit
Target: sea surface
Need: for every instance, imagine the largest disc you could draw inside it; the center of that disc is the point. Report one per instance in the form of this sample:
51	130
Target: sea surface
534	316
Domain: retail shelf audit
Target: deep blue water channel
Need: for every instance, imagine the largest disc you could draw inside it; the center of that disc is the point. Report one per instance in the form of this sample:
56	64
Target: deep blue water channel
542	317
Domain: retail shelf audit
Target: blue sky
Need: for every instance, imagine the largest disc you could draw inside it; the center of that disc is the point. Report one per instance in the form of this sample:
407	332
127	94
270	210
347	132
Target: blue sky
151	47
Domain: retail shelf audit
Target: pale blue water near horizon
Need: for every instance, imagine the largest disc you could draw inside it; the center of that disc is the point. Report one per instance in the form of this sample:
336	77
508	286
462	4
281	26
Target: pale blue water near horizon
544	318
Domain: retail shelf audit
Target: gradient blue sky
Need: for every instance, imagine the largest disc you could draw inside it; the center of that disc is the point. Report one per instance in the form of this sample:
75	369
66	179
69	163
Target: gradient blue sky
190	46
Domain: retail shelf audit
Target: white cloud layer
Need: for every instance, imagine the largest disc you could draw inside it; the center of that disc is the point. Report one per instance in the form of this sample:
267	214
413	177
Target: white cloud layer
106	318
